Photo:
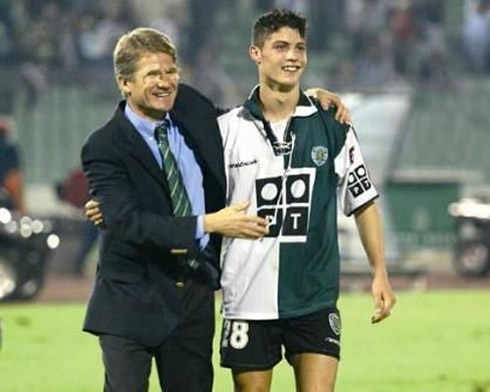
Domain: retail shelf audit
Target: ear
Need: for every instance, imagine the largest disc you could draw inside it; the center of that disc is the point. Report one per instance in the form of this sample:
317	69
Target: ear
254	53
123	85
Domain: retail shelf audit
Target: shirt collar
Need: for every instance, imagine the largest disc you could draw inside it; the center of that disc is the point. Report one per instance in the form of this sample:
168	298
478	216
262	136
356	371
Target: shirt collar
144	125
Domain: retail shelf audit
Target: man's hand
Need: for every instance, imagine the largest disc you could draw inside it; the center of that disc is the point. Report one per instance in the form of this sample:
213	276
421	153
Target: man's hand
328	99
232	222
93	213
384	299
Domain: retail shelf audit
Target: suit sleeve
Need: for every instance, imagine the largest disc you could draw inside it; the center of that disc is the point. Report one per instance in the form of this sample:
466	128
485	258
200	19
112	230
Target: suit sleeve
124	216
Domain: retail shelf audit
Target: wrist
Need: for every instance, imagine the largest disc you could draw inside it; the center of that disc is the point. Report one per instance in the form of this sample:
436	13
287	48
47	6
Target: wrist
208	223
379	270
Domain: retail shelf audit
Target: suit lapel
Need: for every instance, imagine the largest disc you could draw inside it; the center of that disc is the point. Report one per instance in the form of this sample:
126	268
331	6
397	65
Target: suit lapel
138	148
201	141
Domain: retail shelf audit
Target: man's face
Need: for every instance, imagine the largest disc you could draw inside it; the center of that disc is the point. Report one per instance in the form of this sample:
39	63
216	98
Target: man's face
282	58
152	90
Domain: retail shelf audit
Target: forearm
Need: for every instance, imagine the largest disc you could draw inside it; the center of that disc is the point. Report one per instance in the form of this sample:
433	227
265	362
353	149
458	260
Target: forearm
371	233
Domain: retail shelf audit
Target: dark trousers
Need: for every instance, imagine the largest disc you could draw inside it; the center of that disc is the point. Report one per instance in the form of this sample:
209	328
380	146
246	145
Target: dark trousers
183	360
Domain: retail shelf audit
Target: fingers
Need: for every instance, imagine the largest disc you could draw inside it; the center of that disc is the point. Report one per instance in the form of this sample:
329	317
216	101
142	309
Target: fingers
93	213
383	307
249	233
97	221
378	309
327	101
250	226
233	222
246	227
253	227
91	204
342	115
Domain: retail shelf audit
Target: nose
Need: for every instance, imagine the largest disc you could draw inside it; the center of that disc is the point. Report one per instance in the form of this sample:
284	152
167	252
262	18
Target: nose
164	81
292	55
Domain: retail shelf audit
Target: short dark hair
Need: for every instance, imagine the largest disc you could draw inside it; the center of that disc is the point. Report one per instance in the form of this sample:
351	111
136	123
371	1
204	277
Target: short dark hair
272	21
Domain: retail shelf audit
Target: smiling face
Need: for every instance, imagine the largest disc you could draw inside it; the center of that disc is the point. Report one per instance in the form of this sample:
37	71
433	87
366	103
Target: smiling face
152	88
281	58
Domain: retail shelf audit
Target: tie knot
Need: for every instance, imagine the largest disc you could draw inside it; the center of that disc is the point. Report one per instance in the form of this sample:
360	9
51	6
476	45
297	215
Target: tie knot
161	130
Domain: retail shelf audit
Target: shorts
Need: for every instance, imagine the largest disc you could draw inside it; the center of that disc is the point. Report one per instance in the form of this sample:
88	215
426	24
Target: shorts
257	344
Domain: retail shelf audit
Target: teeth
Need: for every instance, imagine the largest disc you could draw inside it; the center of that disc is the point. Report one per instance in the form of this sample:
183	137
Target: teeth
290	68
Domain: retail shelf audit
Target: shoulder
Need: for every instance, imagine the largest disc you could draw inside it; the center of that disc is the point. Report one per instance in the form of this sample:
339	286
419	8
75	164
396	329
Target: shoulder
234	120
101	134
334	130
104	136
188	98
235	114
328	117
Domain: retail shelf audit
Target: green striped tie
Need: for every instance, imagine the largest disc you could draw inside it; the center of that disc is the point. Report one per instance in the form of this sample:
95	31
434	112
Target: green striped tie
178	194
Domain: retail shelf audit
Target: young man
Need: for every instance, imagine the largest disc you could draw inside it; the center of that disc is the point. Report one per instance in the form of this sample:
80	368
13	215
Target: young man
291	159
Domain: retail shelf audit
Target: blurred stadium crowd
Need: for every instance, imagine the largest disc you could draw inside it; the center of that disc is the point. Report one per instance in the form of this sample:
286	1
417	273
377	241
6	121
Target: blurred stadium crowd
58	53
359	43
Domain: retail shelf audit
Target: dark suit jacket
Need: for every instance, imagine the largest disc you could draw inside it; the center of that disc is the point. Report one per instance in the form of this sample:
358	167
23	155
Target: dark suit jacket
135	295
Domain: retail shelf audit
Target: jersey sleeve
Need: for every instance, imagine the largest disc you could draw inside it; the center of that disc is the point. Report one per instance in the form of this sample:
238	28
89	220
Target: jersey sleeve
355	187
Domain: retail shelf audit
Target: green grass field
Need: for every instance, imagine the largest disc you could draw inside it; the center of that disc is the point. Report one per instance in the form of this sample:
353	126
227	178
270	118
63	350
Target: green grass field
434	342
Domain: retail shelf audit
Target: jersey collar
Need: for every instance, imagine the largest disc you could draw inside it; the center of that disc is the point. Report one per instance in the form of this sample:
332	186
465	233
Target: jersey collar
304	108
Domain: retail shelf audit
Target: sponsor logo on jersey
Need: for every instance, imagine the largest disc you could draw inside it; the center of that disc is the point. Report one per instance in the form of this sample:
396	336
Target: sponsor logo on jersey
319	155
285	202
335	324
359	182
351	155
238	165
282	148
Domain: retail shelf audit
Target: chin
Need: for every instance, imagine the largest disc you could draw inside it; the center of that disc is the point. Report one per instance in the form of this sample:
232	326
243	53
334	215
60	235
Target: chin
287	85
165	106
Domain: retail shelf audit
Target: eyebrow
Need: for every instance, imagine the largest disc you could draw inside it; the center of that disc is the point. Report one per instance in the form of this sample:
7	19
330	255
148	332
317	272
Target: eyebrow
281	42
155	71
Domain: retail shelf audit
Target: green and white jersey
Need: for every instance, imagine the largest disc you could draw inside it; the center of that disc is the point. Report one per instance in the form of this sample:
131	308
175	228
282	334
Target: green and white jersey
295	269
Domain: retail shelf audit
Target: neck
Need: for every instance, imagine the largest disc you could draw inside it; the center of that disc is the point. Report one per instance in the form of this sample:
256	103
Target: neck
278	103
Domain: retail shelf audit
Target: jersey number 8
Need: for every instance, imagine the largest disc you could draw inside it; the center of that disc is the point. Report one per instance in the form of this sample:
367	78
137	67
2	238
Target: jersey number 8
235	333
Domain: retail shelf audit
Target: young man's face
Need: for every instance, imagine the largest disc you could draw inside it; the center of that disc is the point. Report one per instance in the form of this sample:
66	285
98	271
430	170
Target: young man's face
282	58
152	90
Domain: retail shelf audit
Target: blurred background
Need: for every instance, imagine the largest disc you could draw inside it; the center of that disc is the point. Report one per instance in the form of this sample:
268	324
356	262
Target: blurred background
415	74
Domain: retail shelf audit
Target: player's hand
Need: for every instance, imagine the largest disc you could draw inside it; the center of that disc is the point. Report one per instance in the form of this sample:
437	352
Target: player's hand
93	212
328	100
383	296
233	222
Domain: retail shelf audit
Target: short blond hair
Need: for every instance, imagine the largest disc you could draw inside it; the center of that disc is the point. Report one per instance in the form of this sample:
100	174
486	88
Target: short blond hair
133	45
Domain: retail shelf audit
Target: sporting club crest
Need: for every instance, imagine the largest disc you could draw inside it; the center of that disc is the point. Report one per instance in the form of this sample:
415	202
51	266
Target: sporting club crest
335	324
319	155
